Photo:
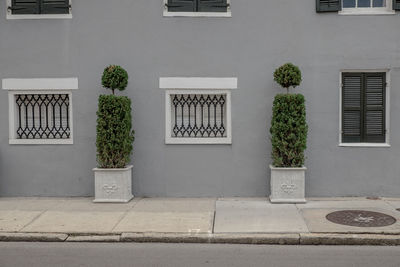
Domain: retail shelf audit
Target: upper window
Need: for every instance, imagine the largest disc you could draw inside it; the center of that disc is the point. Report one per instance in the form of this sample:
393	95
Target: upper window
197	8
37	9
358	7
366	7
364	116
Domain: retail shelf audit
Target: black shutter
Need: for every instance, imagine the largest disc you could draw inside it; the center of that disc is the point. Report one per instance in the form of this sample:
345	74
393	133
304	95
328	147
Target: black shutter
396	4
329	5
352	114
212	5
374	107
181	5
20	7
54	7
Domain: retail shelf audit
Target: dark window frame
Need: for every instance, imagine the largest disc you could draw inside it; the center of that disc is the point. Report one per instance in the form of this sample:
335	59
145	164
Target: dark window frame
364	108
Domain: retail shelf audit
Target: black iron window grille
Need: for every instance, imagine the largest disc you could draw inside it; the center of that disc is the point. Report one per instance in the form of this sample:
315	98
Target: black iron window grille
198	115
42	116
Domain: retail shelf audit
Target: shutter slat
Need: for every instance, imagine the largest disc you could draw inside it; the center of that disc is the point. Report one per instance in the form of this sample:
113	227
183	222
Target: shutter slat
329	5
181	5
396	4
375	84
21	7
212	5
351	107
55	6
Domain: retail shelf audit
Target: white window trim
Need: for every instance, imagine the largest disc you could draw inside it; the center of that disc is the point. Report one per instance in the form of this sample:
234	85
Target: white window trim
194	85
387	109
388	10
38	16
226	14
38	86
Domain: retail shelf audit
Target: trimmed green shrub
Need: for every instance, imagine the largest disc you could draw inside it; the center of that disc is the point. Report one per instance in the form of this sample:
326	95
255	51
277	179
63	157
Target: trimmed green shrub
289	126
114	77
114	131
288	75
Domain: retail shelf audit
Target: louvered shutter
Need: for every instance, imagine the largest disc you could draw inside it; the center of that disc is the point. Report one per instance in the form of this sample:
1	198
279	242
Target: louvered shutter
20	7
329	5
396	4
352	107
54	6
181	5
212	5
374	108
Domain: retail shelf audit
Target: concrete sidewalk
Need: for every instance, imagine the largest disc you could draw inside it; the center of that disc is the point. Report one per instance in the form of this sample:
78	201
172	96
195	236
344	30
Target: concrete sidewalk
205	220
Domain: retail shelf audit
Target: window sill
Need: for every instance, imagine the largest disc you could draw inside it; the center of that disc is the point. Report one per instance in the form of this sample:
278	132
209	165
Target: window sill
367	11
198	14
364	145
198	141
41	142
40	16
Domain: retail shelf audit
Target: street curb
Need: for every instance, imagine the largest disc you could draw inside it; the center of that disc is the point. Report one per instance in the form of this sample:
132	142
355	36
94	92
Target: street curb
250	239
270	239
94	238
33	237
350	239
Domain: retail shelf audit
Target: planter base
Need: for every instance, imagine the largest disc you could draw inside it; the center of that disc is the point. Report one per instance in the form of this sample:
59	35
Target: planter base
113	185
288	201
112	200
287	185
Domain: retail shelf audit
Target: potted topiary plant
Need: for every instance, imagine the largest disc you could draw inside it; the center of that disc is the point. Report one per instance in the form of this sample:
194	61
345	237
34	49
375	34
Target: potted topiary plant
113	177
289	139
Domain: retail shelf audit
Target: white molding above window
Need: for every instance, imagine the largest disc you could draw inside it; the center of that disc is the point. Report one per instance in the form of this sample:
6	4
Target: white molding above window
387	10
190	87
198	83
387	109
40	84
52	86
37	16
227	14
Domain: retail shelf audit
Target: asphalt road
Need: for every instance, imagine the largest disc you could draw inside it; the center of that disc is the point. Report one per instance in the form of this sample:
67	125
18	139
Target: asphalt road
193	255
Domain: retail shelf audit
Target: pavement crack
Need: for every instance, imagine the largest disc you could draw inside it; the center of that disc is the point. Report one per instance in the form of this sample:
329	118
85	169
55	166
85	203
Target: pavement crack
31	221
125	213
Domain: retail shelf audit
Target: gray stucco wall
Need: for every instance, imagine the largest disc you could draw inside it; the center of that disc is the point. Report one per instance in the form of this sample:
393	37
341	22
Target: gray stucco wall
259	37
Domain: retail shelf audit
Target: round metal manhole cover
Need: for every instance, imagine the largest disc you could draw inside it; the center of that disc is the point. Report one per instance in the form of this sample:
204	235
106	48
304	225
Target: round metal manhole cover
360	218
398	209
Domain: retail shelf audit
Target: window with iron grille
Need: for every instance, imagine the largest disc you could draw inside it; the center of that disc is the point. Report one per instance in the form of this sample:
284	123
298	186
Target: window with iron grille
42	116
40	110
198	109
198	117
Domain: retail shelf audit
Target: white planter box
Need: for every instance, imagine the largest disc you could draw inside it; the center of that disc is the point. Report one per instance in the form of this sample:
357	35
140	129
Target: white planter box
113	185
287	185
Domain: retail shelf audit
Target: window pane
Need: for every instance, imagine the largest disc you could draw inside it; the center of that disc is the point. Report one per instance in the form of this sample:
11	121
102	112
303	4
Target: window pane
349	3
364	3
379	3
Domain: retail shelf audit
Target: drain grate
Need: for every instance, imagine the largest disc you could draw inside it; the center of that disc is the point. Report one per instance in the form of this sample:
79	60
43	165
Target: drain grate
360	218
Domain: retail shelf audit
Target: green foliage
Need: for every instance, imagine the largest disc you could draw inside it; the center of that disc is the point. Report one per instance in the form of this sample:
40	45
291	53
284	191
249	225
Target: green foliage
114	131
288	75
289	130
114	77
